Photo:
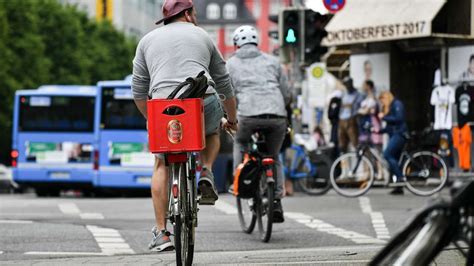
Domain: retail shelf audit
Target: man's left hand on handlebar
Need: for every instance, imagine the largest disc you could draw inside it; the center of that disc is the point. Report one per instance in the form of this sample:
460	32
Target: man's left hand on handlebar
229	125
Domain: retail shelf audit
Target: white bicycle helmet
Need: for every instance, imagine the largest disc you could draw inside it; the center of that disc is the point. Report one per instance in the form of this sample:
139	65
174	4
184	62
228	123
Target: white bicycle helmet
245	34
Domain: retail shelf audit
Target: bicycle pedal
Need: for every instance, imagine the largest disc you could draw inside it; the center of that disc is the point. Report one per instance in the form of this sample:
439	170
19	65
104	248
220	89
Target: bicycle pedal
205	201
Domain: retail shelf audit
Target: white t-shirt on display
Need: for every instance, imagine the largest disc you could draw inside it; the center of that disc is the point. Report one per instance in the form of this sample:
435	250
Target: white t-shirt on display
442	98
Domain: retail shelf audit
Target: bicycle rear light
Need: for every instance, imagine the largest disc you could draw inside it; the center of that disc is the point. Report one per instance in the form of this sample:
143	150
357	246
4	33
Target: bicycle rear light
269	173
175	190
96	160
267	161
14	154
176	158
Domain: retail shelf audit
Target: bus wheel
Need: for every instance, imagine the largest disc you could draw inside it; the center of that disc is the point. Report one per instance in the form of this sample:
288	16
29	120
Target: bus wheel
45	192
41	192
88	193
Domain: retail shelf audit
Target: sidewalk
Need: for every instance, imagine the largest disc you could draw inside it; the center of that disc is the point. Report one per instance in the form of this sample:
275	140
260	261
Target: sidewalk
349	255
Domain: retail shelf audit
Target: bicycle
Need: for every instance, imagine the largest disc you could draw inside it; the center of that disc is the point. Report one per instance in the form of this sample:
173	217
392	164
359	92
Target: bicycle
309	169
258	207
433	229
175	128
353	174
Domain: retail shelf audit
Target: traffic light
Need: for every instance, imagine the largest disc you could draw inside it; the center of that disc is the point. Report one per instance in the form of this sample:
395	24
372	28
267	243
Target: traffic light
290	27
314	33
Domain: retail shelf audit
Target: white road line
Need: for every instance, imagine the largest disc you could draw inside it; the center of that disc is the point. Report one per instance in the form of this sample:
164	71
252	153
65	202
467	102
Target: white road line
42	253
91	216
322	226
225	207
1	252
109	240
15	222
378	222
69	208
334	262
72	209
312	223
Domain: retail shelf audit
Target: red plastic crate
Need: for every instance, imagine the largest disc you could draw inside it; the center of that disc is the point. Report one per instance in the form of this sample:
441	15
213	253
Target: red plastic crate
175	133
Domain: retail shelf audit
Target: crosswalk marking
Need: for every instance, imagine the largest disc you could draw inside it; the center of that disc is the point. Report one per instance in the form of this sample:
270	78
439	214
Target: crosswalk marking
322	226
377	219
109	240
225	207
70	208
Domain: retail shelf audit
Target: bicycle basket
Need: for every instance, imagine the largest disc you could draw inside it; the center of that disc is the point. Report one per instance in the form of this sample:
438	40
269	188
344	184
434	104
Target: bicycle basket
175	125
246	179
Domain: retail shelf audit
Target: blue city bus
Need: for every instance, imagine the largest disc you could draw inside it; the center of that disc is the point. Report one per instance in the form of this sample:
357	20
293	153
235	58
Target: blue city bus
53	140
124	158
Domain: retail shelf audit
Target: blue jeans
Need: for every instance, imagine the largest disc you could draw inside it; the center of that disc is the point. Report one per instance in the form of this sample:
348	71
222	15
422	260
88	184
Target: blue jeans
392	153
319	112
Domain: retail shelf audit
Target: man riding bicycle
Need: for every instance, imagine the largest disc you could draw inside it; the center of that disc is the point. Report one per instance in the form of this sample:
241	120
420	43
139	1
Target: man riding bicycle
262	91
164	58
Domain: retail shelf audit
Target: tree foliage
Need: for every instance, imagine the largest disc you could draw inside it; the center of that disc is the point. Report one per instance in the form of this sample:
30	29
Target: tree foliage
44	42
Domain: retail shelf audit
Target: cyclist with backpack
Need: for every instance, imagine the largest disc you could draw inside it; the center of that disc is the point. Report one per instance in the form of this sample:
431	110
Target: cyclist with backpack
262	90
164	58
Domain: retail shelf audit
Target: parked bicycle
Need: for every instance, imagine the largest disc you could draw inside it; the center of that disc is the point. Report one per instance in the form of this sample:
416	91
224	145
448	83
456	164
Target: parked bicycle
353	173
433	229
256	205
309	168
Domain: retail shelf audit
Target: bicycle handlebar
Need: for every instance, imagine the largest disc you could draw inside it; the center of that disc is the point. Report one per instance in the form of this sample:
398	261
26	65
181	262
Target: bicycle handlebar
460	197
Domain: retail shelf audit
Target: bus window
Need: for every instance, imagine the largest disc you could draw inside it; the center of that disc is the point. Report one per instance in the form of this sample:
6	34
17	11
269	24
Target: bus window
119	110
56	114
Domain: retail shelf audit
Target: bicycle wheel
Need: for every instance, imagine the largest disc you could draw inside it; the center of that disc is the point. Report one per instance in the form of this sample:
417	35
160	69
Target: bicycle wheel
192	209
247	214
352	175
426	173
183	227
319	183
265	208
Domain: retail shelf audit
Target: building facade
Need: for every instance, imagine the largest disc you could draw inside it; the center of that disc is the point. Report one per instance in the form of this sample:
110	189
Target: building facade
221	17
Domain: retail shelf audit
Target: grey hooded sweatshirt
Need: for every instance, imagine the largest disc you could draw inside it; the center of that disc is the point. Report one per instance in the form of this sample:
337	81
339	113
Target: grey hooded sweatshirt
260	85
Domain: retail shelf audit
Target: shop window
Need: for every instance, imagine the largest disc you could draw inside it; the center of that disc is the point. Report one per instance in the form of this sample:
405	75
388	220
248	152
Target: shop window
213	11
230	11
